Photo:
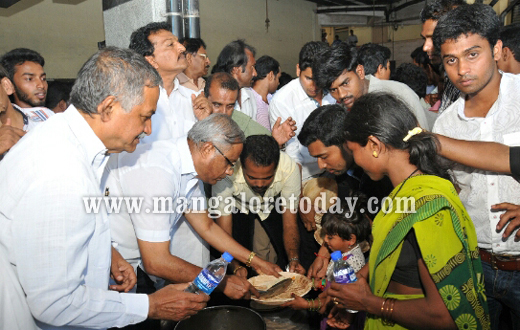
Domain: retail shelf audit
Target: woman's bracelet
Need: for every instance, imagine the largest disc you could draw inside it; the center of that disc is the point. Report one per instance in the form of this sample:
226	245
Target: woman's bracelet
251	256
387	309
320	256
236	269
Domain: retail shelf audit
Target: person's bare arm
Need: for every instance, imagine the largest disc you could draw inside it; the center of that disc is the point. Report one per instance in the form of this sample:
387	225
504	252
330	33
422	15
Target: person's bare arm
489	156
425	313
226	222
158	261
222	241
291	241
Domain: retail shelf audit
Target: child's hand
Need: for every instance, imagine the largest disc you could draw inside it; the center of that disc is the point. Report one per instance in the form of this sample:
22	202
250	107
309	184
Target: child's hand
339	318
297	303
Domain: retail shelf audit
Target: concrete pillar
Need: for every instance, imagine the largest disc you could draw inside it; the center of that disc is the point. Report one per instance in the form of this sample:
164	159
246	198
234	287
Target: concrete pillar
122	17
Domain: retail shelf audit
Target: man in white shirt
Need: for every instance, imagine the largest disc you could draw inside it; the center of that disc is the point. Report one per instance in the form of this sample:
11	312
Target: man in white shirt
264	190
338	71
298	99
173	172
59	248
25	71
488	110
510	60
177	110
238	59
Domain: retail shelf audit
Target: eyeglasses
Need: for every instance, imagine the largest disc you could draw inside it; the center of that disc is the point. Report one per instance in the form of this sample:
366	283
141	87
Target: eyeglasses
227	159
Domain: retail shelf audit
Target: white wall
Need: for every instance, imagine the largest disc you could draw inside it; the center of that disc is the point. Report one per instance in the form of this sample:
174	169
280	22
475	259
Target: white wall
292	24
66	33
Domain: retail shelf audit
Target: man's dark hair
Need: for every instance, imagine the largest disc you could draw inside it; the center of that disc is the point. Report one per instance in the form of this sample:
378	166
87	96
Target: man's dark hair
330	64
264	65
469	19
420	56
413	76
56	92
3	73
437	8
193	45
139	41
373	55
327	124
510	36
285	78
309	52
262	150
233	55
225	81
18	56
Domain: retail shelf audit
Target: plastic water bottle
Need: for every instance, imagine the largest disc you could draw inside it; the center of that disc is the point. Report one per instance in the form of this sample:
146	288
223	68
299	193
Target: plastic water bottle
209	278
343	272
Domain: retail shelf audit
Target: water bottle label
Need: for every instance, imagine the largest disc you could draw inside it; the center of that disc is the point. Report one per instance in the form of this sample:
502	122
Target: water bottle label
206	282
345	276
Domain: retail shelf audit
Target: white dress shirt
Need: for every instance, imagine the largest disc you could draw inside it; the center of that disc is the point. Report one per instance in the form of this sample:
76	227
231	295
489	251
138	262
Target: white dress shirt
168	121
161	169
174	118
481	189
60	252
292	101
403	92
247	102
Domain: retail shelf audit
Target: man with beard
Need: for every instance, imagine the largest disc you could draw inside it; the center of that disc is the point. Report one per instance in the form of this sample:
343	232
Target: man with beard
487	110
339	71
198	64
25	70
264	190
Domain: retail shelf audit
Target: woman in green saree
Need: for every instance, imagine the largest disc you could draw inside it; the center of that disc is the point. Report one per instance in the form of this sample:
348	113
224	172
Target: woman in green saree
424	270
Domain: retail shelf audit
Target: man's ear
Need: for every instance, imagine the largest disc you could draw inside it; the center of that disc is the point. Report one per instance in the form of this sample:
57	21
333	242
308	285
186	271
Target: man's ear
360	71
380	70
271	76
151	60
298	71
189	58
62	105
207	149
497	50
7	86
106	108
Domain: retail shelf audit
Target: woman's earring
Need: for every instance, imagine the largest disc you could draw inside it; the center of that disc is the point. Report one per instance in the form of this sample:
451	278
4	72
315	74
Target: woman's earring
375	154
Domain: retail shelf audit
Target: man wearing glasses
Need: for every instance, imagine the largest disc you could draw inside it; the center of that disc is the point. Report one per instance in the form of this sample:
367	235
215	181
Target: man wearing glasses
198	65
167	176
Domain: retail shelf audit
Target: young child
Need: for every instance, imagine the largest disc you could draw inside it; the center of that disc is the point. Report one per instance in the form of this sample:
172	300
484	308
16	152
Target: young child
342	231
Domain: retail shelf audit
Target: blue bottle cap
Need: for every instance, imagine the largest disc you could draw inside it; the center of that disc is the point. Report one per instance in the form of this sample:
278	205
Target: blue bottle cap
336	255
228	257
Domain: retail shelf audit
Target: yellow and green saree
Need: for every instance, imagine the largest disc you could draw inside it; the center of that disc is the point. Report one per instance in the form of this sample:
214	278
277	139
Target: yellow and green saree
448	243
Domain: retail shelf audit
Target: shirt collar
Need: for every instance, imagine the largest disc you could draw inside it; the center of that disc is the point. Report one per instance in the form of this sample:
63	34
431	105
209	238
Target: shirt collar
94	147
187	165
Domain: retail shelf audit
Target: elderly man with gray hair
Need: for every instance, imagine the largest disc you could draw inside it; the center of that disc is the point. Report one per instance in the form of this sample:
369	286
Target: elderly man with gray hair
169	176
55	251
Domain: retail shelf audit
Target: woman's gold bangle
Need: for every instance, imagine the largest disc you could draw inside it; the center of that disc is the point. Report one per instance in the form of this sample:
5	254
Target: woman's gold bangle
236	269
251	256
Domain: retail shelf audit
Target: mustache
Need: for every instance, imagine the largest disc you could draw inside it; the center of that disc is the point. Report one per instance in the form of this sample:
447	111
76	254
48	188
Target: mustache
141	136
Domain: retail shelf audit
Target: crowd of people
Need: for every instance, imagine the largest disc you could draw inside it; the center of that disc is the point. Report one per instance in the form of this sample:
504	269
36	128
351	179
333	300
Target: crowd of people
114	191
